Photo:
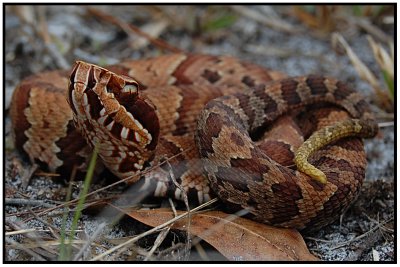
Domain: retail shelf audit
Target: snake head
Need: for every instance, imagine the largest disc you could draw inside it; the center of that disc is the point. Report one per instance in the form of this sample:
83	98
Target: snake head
111	113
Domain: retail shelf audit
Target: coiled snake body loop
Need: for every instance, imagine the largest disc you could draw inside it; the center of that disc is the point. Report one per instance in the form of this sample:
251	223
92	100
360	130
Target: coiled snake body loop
138	113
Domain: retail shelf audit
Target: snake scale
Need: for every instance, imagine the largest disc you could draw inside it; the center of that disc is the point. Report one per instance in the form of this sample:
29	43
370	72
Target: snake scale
245	123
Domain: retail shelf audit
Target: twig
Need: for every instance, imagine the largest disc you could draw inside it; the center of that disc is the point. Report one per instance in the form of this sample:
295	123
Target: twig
386	124
274	23
366	25
160	238
153	230
171	203
130	29
377	222
29	230
33	236
51	243
22	231
168	250
186	201
43	221
363	71
362	236
202	252
48	174
89	242
27	202
320	240
24	248
42	31
162	235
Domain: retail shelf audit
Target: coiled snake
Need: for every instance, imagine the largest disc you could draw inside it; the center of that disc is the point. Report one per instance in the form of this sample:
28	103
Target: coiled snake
140	112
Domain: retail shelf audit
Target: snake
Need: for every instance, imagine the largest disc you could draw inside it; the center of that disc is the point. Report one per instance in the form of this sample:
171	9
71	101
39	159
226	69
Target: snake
288	150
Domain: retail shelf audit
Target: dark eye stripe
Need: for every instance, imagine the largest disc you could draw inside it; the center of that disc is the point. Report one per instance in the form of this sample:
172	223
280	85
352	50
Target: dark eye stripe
95	104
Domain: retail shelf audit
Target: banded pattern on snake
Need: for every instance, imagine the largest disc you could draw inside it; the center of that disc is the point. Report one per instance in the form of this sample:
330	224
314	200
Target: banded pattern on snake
141	112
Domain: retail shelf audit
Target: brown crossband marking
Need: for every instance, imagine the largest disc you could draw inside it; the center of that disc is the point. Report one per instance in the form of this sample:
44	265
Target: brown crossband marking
210	107
317	85
289	93
211	76
247	80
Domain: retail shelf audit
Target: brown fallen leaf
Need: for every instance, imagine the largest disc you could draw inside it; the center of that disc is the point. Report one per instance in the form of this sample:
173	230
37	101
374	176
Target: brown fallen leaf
234	237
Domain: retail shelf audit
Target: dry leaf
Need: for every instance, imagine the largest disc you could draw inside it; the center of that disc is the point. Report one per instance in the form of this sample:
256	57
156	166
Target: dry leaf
234	237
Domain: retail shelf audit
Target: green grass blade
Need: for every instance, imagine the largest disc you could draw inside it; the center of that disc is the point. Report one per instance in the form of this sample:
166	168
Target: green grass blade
389	83
81	202
63	248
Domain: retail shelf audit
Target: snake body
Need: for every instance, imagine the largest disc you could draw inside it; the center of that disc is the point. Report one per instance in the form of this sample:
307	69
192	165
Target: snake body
141	112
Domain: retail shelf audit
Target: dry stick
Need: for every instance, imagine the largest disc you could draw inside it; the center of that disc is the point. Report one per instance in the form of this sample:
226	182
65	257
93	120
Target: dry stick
363	235
29	230
22	231
366	25
168	250
185	199
130	29
27	250
160	238
377	221
48	174
162	235
202	253
171	202
386	124
43	221
52	229
30	235
319	240
155	229
89	242
52	243
275	23
49	44
27	202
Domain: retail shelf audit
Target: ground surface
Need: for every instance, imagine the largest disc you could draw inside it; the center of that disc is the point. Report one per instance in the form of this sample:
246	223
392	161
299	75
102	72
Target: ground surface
43	38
